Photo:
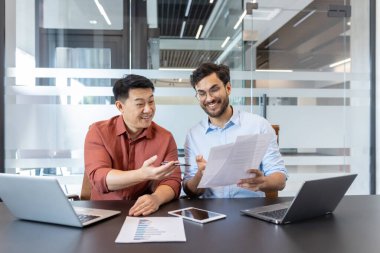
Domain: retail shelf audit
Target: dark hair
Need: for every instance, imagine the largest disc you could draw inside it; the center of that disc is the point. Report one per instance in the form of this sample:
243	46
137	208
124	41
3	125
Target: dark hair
208	68
122	86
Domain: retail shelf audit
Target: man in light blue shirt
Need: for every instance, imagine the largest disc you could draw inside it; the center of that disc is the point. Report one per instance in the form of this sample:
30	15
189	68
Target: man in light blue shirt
223	125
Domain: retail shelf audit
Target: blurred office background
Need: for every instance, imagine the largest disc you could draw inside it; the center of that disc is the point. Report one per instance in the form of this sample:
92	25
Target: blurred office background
304	65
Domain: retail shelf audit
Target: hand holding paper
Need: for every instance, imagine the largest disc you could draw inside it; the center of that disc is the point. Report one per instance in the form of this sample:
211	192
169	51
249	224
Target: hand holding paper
254	182
229	163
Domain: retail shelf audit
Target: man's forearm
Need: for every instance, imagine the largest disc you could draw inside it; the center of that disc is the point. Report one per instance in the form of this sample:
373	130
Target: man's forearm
191	185
275	182
117	179
164	193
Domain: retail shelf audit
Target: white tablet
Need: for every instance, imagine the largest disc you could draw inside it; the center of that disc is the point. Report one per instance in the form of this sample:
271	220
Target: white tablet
197	215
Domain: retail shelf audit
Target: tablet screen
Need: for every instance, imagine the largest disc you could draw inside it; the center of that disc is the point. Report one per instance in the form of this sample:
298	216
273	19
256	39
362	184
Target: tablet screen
197	214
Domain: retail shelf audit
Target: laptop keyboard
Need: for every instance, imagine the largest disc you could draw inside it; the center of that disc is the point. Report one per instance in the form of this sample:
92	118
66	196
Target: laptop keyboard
85	217
276	214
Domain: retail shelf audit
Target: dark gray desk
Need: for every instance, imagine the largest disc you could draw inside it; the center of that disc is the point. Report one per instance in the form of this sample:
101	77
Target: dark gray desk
354	227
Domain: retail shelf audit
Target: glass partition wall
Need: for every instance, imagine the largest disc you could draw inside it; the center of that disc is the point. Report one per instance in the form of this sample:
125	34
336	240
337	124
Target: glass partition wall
304	65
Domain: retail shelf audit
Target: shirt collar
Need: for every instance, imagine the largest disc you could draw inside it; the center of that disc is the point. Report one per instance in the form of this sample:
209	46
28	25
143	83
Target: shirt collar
122	129
234	120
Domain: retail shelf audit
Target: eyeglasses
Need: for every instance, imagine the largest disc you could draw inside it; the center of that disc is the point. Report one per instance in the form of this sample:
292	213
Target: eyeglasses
213	91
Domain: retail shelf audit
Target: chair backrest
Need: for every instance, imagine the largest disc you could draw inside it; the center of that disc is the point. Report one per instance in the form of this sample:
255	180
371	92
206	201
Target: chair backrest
273	194
85	193
276	128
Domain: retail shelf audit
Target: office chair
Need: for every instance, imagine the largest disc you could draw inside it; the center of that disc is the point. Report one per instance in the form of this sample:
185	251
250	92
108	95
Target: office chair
85	193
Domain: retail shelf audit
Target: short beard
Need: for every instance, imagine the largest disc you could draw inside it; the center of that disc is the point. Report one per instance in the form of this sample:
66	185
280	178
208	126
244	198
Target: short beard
222	110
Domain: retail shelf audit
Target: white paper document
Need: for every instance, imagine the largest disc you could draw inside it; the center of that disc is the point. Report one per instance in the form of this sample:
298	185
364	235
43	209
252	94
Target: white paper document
227	164
151	229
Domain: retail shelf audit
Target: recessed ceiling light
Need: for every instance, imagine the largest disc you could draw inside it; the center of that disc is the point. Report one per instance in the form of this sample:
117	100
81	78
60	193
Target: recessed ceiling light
103	12
240	19
271	43
199	32
225	42
188	8
304	18
182	29
340	62
93	22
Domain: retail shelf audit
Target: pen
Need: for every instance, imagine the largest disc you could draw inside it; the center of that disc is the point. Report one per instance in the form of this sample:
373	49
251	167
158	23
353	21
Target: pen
176	164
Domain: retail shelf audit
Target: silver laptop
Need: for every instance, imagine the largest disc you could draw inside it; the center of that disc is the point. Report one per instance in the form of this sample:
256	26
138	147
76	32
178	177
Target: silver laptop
42	199
315	198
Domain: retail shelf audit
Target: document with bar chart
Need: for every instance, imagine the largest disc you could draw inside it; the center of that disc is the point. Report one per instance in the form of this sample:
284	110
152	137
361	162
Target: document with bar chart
151	229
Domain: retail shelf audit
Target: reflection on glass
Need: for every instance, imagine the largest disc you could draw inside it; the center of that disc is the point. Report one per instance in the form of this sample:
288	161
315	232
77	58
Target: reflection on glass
307	71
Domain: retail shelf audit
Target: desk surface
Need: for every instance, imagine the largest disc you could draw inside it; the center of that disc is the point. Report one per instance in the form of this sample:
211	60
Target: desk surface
354	227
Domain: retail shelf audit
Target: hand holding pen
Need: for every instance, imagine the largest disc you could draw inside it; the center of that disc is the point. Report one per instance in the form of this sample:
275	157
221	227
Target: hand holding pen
176	164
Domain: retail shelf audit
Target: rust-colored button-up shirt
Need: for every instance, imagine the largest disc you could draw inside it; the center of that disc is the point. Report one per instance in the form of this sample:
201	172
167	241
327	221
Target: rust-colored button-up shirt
108	146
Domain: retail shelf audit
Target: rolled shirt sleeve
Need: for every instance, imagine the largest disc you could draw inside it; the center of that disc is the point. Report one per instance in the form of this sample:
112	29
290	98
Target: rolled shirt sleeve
107	147
203	136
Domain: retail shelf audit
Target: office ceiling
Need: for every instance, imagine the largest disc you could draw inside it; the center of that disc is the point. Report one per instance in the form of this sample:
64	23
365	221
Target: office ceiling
181	19
172	13
313	43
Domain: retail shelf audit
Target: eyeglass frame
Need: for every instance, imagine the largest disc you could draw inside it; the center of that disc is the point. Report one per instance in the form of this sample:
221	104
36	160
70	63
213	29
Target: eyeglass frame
211	92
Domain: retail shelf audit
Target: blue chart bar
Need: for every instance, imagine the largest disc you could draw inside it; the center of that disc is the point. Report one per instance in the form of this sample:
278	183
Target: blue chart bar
145	230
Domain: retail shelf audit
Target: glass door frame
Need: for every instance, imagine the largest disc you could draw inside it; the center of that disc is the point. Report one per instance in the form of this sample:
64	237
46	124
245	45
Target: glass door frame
2	75
373	120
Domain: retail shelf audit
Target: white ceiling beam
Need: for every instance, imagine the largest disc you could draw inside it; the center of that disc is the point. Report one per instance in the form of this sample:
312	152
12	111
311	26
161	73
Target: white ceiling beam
188	44
151	13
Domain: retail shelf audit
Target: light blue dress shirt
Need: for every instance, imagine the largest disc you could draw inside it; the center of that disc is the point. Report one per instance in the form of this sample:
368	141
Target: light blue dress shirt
203	136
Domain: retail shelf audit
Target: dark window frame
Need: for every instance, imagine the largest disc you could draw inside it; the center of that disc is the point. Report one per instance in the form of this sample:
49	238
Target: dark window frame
2	92
372	136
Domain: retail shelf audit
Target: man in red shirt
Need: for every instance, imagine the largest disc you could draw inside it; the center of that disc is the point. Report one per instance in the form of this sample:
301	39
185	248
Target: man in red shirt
123	155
